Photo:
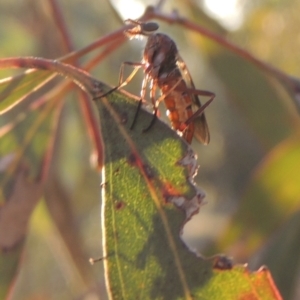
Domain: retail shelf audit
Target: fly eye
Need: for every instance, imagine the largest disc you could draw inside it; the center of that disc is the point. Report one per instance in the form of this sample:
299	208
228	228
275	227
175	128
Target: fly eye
148	28
140	28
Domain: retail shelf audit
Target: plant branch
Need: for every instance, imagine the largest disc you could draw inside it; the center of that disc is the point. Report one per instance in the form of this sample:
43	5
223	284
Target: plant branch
61	25
290	82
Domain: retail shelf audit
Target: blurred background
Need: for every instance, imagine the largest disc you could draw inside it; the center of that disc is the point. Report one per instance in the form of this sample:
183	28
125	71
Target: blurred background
249	171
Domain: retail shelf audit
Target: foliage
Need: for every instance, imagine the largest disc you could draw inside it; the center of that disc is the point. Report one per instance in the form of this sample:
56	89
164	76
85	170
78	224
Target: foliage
49	213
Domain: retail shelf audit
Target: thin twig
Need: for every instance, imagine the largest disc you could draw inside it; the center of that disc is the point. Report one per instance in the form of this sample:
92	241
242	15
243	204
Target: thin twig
175	18
292	84
61	25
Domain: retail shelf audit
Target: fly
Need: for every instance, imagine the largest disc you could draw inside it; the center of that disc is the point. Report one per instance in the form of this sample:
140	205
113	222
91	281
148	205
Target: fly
164	69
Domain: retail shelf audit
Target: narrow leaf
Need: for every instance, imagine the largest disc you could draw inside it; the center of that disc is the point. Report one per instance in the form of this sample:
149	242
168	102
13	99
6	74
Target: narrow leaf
261	104
281	255
22	160
14	219
15	89
271	198
147	196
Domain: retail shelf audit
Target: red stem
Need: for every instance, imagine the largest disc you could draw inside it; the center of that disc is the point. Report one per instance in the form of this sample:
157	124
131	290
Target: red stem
60	23
291	83
215	37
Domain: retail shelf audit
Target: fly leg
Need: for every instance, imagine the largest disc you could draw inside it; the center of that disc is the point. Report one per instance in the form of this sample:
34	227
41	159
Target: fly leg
143	93
136	65
196	125
136	113
201	108
155	104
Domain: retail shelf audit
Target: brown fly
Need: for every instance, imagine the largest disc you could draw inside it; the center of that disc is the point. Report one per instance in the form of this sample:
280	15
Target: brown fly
164	69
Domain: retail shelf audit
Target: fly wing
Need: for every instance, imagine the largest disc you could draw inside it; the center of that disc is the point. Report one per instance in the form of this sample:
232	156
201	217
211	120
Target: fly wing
201	128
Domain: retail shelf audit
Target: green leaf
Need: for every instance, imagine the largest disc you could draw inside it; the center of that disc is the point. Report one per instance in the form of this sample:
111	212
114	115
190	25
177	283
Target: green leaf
14	219
22	162
259	101
15	89
9	263
26	149
147	181
282	256
147	196
240	283
270	199
26	144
